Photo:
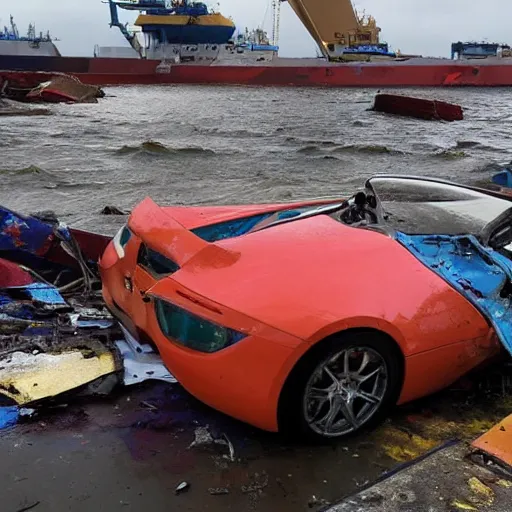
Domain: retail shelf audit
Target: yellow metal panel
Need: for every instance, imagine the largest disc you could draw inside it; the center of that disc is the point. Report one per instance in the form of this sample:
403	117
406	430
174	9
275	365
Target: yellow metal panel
173	19
27	378
497	441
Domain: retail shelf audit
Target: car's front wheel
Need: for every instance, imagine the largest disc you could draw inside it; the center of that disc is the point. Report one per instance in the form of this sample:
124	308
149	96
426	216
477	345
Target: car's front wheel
348	383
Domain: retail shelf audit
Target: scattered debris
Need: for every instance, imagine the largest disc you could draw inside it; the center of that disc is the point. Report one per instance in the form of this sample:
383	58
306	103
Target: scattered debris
230	447
56	336
217	491
484	494
317	502
184	486
149	406
141	362
30	507
8	416
420	108
257	485
203	437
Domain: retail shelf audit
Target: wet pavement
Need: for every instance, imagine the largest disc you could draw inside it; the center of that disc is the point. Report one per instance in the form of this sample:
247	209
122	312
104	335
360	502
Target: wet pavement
132	449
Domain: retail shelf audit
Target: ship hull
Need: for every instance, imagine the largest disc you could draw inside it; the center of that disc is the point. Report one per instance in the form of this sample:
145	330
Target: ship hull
281	72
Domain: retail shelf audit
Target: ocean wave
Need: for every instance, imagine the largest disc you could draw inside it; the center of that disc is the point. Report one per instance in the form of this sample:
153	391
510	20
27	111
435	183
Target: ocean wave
352	148
81	184
370	148
151	147
450	154
310	148
30	170
311	142
62	135
471	144
31	174
241	133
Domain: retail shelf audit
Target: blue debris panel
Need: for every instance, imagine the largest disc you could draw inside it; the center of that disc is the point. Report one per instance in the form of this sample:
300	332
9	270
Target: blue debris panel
19	233
481	274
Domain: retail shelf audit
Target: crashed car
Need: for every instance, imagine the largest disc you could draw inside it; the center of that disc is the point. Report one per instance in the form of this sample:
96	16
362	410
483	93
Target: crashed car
319	316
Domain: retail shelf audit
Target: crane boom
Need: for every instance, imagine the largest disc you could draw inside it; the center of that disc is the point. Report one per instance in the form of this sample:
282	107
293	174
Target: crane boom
335	23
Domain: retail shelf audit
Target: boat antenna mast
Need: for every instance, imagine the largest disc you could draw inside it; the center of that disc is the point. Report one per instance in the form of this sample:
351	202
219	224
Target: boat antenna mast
14	28
276	20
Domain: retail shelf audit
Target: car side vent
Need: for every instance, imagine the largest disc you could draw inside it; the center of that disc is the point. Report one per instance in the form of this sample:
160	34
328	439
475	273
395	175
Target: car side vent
155	263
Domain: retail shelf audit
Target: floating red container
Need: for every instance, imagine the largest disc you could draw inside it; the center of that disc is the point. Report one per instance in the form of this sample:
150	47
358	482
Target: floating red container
417	107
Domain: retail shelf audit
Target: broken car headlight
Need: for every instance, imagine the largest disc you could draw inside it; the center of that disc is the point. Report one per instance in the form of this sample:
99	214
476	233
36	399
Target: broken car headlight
121	239
193	331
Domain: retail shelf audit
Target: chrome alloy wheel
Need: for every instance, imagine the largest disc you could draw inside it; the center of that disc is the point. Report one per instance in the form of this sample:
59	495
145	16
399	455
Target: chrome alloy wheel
345	391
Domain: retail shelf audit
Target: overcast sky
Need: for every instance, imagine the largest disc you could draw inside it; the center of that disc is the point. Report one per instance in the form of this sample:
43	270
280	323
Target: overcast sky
424	27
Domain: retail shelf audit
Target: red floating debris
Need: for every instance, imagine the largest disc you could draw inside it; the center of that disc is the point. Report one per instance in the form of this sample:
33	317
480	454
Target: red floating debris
47	87
65	89
417	107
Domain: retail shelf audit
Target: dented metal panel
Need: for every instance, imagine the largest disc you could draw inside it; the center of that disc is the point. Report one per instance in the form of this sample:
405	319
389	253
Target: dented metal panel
27	378
480	274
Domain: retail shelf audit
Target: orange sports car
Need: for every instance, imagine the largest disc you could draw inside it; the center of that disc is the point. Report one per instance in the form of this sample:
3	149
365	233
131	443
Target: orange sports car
319	316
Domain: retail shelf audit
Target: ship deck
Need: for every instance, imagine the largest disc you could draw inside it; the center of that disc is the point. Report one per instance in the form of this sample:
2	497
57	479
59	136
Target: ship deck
414	61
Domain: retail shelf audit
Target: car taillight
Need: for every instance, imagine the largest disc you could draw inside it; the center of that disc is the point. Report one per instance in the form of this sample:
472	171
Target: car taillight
121	240
193	331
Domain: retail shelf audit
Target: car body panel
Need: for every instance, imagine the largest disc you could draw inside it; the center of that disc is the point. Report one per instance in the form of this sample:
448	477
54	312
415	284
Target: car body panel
328	298
434	370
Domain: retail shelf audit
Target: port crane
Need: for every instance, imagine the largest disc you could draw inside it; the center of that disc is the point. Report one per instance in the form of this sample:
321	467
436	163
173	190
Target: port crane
335	25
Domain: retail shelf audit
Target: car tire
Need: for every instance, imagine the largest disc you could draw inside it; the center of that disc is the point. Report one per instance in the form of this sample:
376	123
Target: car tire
322	401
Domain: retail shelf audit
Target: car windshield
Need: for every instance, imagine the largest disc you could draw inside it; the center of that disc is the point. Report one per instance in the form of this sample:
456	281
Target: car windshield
420	206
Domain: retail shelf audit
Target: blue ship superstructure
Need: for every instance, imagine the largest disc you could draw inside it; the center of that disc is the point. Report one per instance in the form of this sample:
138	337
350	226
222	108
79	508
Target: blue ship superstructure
176	22
187	31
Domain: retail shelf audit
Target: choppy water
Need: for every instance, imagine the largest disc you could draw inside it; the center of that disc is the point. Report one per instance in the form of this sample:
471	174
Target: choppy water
198	145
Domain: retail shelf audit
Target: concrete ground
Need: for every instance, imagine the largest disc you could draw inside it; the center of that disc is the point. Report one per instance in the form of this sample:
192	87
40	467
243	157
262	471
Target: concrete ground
132	449
445	480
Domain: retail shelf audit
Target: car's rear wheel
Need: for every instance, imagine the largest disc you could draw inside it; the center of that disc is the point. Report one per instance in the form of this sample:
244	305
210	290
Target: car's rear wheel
344	385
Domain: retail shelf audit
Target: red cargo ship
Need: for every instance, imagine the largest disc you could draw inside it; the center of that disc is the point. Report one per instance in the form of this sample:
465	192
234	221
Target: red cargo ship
186	43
